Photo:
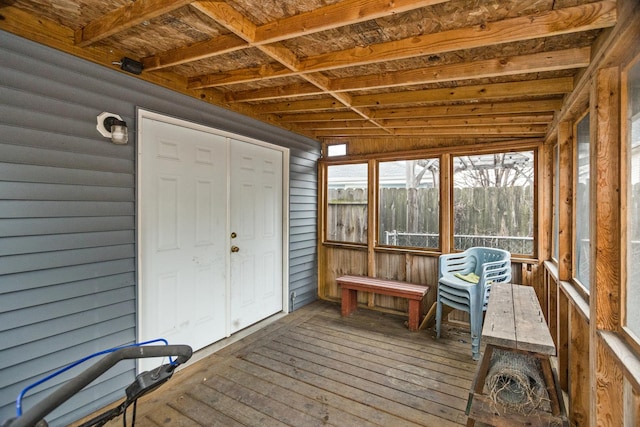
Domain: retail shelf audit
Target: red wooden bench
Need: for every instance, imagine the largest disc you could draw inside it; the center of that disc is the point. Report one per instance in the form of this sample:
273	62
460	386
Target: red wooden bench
350	286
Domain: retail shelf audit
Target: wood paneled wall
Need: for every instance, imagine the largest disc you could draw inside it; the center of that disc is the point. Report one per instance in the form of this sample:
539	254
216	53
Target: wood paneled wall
416	268
391	265
598	364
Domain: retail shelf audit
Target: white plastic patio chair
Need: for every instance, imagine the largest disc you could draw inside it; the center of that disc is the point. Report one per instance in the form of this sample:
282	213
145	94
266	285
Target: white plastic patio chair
456	289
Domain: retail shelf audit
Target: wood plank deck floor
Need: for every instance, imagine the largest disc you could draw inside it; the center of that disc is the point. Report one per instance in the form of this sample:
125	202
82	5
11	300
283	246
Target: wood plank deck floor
315	368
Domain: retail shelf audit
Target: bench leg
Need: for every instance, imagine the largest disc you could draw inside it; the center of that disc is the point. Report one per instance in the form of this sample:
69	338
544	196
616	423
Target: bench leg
550	381
415	310
349	301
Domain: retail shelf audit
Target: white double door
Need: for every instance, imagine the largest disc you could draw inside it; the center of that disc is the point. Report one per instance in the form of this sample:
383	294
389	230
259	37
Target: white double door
211	233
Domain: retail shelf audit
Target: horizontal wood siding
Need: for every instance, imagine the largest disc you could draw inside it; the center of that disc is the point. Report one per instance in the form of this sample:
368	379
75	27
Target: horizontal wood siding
67	216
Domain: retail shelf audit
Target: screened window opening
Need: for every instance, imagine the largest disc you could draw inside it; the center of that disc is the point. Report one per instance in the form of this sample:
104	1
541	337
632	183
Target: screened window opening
347	193
409	203
583	172
336	150
633	201
493	201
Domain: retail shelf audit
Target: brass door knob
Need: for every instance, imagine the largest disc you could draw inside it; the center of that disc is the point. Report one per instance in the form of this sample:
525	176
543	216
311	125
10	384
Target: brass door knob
235	249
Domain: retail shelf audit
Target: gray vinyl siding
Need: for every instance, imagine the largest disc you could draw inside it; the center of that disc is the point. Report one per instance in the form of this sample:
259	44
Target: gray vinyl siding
67	216
303	208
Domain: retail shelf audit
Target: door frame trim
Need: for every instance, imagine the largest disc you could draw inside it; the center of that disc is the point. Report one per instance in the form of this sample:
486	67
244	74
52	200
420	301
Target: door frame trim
147	114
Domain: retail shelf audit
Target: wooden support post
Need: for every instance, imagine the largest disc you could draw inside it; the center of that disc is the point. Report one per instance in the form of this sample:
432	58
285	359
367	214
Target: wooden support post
545	202
446	205
372	218
565	200
322	225
606	379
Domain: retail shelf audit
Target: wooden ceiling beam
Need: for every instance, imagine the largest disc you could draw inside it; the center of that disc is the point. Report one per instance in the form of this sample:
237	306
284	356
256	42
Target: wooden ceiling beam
585	17
474	110
302	106
512	131
350	132
505	66
539	62
235	22
229	17
570	20
275	92
223	44
506	130
533	63
332	16
319	117
534	119
245	75
123	18
469	109
339	124
242	27
473	93
343	13
474	106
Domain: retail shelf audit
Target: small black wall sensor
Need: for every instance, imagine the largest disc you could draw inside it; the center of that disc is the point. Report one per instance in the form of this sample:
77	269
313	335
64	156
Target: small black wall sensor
129	65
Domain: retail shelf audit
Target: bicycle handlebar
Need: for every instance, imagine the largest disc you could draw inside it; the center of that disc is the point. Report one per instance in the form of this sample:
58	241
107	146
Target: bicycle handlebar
66	391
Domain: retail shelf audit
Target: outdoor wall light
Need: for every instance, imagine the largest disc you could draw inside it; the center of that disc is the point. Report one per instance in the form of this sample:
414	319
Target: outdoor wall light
112	126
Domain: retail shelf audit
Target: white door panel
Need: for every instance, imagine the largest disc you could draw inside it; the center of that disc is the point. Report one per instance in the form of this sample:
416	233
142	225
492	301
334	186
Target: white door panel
256	220
197	188
183	221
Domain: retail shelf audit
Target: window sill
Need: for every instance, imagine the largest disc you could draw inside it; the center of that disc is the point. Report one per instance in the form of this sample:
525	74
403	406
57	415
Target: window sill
576	298
403	250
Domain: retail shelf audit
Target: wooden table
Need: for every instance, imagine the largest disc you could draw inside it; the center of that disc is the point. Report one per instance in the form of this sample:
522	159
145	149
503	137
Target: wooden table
514	322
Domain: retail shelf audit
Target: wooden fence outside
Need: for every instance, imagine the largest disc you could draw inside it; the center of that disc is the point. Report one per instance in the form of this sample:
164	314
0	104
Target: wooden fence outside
491	216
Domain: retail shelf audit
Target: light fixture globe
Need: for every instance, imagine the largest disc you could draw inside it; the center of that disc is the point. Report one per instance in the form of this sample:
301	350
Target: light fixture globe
112	126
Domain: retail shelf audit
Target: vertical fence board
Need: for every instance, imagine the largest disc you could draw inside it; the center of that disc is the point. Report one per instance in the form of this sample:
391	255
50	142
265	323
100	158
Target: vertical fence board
340	261
424	270
391	266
